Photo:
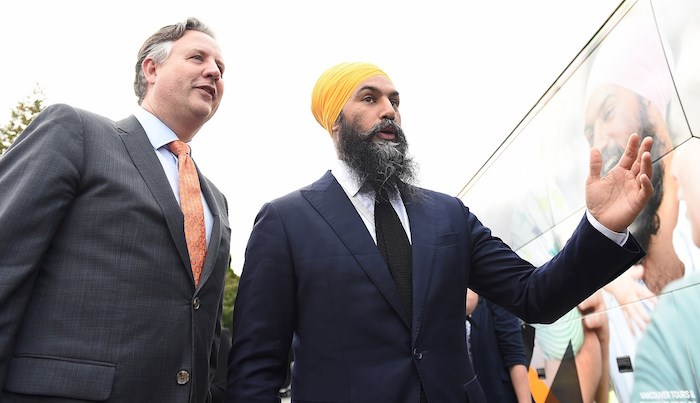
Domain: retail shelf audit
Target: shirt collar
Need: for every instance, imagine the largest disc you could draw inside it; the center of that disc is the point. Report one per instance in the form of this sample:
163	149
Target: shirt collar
158	133
343	174
348	181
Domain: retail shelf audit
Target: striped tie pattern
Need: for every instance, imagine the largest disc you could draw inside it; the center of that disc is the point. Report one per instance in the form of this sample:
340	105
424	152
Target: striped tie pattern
192	209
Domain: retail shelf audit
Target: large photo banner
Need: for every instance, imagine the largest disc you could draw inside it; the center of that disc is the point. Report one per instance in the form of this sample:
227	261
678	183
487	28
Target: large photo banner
638	338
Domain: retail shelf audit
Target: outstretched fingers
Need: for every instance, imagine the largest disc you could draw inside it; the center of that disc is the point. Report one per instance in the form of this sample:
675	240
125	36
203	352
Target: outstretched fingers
632	153
618	197
644	176
644	148
595	165
640	157
642	170
645	151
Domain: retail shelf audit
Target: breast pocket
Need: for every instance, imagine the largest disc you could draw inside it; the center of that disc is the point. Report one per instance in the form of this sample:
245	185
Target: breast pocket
447	239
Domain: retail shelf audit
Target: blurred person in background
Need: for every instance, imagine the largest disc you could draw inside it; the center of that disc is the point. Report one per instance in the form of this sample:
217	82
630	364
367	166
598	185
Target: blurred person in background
668	354
496	350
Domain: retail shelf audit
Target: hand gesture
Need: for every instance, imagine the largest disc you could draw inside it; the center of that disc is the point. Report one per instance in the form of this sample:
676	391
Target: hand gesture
616	199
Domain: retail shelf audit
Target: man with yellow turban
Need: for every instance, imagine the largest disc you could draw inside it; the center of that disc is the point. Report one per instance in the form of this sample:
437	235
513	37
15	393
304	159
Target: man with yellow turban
365	274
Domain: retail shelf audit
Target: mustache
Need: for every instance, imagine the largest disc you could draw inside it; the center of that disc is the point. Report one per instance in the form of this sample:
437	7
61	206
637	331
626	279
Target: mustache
383	125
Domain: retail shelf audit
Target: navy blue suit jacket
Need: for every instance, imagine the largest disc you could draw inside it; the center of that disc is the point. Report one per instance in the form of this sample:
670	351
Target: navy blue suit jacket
313	271
497	345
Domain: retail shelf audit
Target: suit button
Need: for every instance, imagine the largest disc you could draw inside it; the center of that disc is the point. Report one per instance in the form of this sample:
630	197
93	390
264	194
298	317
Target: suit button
417	354
195	303
183	377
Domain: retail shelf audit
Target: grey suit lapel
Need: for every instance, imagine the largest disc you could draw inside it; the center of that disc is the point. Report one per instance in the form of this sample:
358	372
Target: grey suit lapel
141	152
329	199
213	247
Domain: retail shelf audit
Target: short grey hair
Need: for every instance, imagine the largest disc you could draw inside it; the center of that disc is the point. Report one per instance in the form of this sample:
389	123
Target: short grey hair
158	48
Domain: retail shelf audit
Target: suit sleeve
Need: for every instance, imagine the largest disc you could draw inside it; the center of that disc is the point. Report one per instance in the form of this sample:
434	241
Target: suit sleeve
218	385
588	261
263	314
509	339
39	177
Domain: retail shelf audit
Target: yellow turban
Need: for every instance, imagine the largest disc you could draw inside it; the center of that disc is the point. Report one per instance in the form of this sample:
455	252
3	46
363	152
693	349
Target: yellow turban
334	87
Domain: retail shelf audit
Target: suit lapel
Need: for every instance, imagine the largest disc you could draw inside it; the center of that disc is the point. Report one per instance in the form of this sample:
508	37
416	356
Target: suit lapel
213	247
424	244
329	199
141	152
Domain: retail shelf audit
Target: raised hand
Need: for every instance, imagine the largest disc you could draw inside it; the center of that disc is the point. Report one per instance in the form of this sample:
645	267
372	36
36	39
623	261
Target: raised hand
617	198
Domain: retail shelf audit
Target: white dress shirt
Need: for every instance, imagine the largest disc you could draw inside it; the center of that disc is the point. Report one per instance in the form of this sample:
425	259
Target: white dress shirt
363	199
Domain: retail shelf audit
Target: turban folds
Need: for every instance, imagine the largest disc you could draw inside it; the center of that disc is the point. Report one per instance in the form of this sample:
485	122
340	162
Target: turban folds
633	56
334	88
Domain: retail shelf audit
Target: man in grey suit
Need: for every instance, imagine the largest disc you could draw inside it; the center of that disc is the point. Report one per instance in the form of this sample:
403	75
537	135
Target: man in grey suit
98	301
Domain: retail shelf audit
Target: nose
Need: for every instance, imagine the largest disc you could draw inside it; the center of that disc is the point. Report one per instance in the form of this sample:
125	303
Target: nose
603	136
599	138
387	110
212	71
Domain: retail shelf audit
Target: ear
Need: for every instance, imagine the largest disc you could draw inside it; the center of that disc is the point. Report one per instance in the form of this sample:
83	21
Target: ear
149	68
335	129
334	138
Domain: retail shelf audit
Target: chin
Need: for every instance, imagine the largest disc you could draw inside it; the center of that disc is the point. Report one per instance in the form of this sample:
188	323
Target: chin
204	112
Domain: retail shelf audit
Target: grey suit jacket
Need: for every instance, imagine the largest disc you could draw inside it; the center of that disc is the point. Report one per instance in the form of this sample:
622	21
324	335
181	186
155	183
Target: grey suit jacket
97	297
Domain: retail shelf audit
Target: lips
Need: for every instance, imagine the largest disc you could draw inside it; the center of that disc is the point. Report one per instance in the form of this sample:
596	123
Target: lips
209	89
387	133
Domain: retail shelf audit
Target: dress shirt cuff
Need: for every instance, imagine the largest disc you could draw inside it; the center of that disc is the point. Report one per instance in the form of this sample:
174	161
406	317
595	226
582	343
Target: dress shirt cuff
619	238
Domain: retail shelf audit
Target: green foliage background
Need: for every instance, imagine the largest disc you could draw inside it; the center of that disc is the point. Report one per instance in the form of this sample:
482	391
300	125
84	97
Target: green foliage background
20	117
230	291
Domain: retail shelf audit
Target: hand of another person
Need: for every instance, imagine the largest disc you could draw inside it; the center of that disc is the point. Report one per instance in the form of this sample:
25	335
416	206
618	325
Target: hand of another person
629	291
592	359
593	311
616	199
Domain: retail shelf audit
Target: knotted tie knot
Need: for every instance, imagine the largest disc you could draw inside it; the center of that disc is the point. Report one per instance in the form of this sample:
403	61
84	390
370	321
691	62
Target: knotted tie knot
179	147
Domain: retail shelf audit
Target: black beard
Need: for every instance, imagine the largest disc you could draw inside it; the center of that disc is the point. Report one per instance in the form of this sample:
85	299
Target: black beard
377	163
647	222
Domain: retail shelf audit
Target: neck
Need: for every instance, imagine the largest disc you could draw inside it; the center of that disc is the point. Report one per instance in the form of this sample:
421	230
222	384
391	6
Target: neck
661	266
183	131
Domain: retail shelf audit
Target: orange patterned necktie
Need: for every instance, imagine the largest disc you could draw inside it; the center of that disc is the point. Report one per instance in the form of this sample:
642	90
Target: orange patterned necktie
191	205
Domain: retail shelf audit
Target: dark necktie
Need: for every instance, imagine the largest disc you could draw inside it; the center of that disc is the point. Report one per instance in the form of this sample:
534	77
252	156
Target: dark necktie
395	248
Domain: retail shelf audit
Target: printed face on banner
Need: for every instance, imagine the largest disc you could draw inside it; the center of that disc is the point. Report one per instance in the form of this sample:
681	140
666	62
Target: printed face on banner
638	74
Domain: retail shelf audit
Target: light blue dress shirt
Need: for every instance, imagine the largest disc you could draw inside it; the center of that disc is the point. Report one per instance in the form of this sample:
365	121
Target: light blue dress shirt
160	135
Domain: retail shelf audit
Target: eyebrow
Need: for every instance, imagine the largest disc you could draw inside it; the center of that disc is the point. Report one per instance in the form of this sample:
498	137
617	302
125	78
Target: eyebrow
376	89
605	101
